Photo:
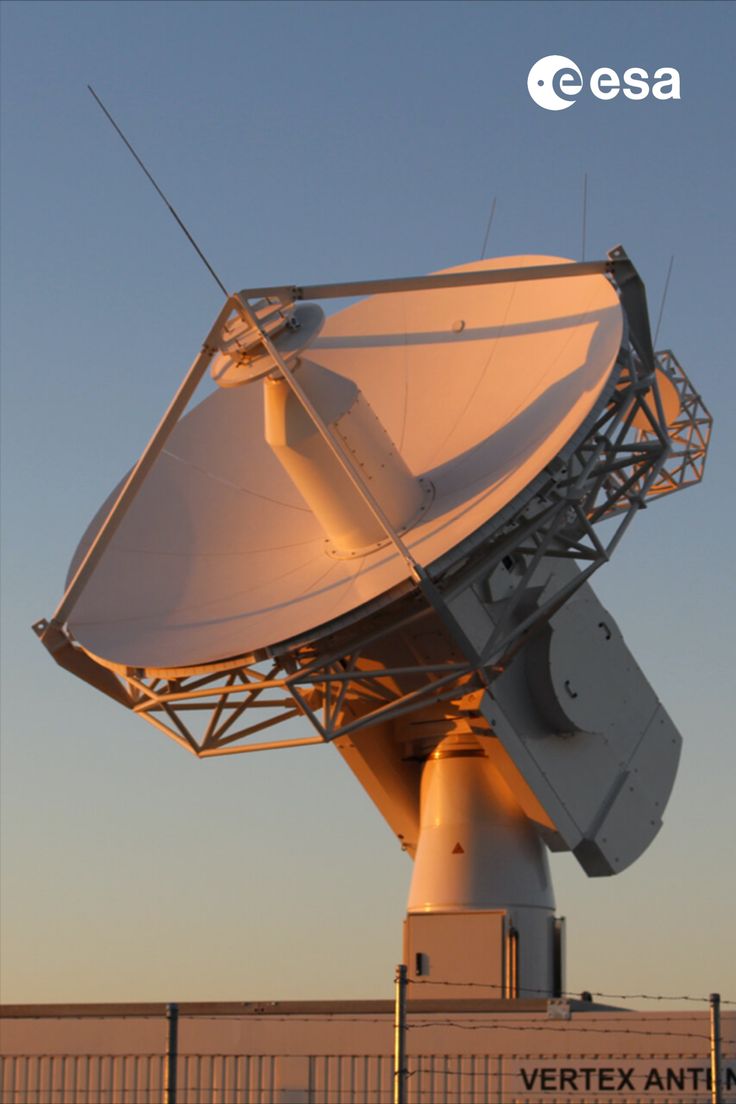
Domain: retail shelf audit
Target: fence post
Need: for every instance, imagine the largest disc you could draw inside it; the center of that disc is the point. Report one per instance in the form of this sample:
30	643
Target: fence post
172	1049
400	1070
715	1048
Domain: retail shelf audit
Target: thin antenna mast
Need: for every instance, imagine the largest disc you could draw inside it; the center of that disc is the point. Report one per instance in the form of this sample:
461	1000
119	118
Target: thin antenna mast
198	251
664	298
585	212
488	229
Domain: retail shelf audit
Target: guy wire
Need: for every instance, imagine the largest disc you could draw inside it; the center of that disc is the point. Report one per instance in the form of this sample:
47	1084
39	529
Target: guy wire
488	229
585	213
664	298
198	251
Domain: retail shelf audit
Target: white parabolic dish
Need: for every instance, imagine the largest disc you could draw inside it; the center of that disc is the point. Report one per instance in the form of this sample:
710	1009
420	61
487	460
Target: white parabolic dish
480	387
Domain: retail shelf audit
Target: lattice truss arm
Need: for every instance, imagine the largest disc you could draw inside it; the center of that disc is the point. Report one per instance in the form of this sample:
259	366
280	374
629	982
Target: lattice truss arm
635	453
216	712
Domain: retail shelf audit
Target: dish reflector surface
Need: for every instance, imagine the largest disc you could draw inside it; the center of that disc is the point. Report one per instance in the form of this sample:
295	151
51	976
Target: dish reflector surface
480	388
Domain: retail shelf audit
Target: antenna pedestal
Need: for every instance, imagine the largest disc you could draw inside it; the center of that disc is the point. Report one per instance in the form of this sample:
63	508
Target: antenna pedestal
481	906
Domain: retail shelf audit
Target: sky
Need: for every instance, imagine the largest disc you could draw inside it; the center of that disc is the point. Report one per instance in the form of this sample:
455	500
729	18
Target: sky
309	142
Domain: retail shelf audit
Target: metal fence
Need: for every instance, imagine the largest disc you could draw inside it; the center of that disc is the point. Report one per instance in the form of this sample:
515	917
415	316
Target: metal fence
361	1079
136	1079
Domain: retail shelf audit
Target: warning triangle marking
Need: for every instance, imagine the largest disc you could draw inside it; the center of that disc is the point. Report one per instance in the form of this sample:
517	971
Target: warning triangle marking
458	849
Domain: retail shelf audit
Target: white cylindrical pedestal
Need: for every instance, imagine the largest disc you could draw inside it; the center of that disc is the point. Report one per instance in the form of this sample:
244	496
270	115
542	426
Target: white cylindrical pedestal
481	906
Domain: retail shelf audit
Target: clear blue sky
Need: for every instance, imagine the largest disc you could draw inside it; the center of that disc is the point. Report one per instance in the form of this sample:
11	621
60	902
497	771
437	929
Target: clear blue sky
309	142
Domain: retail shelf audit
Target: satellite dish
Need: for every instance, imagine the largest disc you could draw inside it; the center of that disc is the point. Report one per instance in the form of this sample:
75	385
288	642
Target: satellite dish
239	540
385	522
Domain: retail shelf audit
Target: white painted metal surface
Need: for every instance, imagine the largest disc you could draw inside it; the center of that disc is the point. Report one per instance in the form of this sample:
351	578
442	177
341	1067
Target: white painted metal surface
242	358
479	387
481	905
586	746
345	519
477	849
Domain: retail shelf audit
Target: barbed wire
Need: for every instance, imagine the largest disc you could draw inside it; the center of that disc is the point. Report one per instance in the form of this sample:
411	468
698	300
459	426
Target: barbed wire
262	1009
463	1025
499	1023
498	987
558	1025
587	1017
265	1013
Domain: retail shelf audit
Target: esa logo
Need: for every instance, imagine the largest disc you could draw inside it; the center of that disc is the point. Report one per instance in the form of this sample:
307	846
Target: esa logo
555	81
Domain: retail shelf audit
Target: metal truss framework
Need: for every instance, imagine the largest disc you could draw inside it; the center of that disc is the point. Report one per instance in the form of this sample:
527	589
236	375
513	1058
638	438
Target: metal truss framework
626	458
689	432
